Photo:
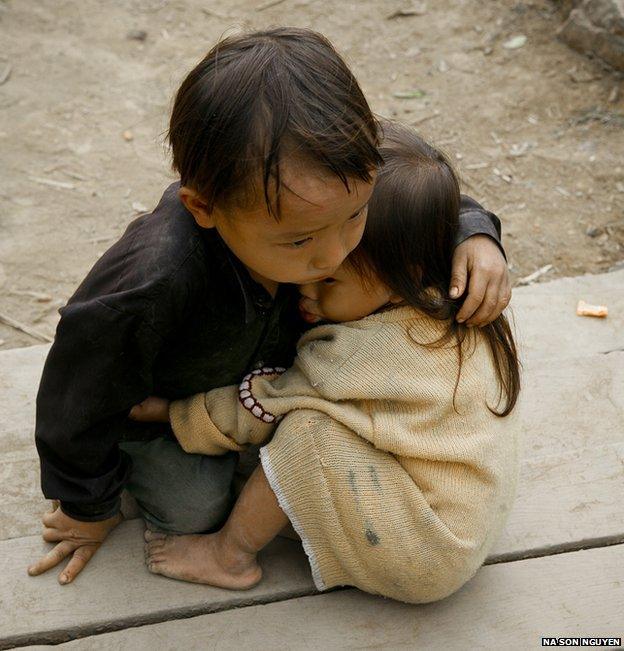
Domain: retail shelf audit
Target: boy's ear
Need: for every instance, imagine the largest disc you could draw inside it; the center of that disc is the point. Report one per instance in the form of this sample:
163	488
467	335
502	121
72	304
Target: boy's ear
196	205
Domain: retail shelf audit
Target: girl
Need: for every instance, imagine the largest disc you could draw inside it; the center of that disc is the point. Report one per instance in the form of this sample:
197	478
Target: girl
392	460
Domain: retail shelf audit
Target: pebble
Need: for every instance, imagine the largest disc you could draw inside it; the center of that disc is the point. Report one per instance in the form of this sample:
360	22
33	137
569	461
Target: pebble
594	231
136	35
138	206
128	135
515	42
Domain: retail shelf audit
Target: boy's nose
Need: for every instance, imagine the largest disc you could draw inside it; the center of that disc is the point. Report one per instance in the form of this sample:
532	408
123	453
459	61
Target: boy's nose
331	258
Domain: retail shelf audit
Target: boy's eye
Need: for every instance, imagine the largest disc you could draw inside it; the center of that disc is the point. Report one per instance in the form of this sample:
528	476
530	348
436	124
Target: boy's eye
328	281
299	243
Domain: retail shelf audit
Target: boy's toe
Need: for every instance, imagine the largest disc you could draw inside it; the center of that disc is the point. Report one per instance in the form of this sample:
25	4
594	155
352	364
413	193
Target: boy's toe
153	567
154	547
154	535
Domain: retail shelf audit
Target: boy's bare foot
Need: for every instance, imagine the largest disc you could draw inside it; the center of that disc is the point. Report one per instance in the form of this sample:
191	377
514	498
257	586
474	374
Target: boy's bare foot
201	559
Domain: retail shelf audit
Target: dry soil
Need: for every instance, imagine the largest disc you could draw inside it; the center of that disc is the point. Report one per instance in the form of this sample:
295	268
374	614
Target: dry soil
536	131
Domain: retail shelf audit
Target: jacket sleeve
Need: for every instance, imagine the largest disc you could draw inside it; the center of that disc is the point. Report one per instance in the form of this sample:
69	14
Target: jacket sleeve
98	367
474	219
230	418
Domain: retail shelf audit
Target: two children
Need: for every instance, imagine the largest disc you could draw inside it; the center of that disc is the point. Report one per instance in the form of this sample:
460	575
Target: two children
277	151
391	458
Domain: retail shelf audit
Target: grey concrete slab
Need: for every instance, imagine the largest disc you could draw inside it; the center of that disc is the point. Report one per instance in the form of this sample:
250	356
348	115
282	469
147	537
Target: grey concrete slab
117	588
568	497
506	606
546	318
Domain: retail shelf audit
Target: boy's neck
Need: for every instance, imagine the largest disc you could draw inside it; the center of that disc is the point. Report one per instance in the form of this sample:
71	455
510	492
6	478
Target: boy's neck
270	285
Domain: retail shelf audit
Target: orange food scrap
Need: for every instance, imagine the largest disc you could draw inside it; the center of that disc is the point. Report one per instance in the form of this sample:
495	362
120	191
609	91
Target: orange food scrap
585	309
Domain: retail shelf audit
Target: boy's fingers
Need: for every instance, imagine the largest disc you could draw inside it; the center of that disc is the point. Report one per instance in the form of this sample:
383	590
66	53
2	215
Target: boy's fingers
52	558
476	292
77	563
52	535
50	518
459	274
135	411
489	308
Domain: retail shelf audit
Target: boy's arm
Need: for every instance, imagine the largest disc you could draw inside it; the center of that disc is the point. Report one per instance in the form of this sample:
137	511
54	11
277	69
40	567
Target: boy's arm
98	367
228	418
479	266
474	219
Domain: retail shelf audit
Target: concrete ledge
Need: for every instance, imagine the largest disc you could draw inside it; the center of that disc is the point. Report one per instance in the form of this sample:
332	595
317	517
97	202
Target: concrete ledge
508	606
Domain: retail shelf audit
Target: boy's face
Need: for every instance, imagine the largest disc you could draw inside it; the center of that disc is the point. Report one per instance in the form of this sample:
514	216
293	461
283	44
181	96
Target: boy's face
320	224
343	297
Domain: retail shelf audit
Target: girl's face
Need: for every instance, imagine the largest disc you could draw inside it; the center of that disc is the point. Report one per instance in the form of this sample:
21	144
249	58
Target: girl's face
344	296
320	224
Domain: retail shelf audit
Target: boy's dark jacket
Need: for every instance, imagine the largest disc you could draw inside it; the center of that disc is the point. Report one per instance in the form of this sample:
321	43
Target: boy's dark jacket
167	311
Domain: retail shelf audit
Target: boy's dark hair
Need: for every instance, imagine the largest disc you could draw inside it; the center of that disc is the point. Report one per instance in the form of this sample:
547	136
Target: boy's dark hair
408	243
252	96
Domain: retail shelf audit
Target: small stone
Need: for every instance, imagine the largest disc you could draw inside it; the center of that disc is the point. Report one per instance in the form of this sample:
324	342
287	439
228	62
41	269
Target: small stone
516	42
409	94
416	9
138	206
128	135
594	231
136	35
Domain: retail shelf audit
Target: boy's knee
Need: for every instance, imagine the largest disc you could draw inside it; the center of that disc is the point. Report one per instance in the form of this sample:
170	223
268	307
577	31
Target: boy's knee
180	492
189	514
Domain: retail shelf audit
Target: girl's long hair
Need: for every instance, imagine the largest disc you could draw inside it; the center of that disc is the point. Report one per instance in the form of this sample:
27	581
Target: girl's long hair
408	243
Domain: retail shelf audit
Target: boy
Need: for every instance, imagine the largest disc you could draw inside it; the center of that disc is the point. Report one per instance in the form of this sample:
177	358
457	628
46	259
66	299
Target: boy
276	148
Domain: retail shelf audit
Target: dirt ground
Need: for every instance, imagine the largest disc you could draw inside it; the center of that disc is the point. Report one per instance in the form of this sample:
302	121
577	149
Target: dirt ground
536	131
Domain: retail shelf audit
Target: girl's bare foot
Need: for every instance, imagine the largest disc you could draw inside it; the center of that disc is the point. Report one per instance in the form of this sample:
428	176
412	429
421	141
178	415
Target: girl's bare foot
201	559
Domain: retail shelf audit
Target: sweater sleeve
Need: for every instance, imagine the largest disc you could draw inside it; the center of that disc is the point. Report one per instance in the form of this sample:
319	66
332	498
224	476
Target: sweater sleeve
233	417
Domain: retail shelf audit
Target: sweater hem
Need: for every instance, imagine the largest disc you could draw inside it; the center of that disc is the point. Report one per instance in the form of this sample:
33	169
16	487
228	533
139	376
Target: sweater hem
282	500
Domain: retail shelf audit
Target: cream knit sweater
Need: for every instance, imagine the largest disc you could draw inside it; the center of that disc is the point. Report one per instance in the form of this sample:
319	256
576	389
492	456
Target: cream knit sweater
392	487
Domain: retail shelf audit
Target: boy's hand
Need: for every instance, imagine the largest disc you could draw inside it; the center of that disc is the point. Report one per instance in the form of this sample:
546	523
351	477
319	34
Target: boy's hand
479	262
152	409
76	539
